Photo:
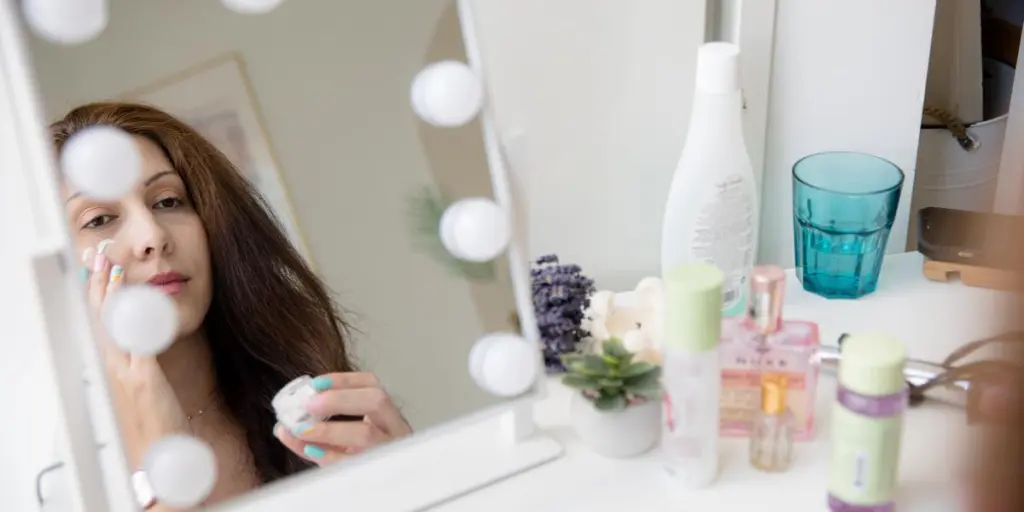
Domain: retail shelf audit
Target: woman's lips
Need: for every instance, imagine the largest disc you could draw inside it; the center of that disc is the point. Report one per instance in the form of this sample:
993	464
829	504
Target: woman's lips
172	287
171	283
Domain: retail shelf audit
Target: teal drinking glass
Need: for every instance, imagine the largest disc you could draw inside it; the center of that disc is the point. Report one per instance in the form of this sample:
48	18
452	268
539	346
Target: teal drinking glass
844	205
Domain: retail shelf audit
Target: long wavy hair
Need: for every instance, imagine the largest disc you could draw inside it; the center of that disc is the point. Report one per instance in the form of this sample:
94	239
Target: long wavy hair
271	318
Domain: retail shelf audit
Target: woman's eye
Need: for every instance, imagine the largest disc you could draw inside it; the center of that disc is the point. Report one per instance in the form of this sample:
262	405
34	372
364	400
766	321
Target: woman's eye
168	202
98	221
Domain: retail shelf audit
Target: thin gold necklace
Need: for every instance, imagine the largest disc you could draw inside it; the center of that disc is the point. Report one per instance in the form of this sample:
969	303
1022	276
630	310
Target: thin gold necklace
200	412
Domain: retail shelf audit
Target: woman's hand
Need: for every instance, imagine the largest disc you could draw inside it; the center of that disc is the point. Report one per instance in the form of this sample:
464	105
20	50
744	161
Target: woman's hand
351	394
145	404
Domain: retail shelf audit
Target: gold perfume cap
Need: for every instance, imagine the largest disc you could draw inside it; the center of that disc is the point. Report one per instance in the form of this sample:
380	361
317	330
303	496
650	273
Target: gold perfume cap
767	289
773	394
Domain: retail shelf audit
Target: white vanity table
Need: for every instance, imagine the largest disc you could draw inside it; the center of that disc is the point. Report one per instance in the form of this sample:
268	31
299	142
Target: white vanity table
931	318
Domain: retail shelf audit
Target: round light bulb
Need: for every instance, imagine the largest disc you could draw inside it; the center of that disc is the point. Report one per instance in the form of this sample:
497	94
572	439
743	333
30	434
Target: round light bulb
504	364
447	94
252	6
102	162
475	229
66	22
181	470
141	320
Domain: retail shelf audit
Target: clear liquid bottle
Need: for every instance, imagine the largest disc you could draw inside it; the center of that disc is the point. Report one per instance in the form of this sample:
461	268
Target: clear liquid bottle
691	376
771	436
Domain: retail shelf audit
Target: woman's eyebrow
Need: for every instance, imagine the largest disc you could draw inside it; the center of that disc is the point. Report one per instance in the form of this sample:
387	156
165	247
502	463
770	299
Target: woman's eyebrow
149	181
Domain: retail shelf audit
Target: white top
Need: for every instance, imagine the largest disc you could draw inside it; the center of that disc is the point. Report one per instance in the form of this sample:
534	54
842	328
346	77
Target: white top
931	318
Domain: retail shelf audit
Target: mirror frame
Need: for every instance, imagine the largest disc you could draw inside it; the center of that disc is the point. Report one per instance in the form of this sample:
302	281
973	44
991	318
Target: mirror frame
61	332
478	450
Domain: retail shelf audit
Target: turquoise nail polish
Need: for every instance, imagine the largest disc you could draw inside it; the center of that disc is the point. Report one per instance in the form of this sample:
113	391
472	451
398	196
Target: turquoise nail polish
83	274
322	383
314	452
302	429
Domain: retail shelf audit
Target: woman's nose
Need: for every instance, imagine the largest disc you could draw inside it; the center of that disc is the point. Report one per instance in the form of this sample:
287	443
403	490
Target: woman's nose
151	238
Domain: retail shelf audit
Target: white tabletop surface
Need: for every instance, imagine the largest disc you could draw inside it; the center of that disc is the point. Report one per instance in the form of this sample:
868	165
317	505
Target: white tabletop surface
931	318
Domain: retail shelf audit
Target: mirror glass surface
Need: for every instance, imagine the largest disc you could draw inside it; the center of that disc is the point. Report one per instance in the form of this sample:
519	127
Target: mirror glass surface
311	104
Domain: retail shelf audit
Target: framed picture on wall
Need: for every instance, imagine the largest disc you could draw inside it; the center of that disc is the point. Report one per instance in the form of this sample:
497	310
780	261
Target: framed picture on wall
215	97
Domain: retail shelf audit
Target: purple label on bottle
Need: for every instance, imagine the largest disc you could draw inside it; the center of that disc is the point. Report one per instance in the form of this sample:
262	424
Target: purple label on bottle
872	406
837	505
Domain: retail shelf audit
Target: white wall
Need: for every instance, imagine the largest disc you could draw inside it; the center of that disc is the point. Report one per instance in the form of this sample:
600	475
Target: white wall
845	76
601	90
331	79
602	149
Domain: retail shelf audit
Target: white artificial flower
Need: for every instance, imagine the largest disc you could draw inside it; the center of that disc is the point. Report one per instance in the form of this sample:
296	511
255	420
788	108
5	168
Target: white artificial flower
635	340
640	326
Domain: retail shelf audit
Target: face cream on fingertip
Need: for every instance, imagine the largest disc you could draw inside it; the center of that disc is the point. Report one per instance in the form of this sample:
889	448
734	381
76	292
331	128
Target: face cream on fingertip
102	246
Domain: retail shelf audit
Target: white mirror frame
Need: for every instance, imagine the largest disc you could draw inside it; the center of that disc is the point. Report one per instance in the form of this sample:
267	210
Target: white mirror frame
50	325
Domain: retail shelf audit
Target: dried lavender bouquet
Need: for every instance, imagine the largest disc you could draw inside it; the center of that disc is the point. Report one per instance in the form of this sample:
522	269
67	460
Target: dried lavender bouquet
561	293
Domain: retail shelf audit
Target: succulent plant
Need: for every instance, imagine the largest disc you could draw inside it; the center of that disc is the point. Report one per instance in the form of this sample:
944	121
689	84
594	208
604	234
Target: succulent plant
612	380
560	295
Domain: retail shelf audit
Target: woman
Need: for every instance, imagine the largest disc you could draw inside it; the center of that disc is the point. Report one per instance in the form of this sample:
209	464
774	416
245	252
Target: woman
997	484
252	315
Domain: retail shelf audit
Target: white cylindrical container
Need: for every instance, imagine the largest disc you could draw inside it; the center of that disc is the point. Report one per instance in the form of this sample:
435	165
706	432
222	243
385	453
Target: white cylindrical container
711	214
691	375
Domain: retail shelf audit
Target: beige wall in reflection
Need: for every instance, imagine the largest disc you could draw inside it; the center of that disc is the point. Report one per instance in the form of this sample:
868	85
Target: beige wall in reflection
456	158
331	80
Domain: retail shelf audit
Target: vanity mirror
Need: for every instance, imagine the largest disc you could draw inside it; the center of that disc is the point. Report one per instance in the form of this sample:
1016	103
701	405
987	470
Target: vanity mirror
253	192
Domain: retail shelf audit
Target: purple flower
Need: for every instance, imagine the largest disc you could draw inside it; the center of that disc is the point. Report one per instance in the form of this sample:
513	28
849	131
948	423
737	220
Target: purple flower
561	293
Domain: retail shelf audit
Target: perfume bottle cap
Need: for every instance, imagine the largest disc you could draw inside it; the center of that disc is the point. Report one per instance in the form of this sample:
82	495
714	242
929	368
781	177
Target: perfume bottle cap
693	314
872	364
767	290
773	393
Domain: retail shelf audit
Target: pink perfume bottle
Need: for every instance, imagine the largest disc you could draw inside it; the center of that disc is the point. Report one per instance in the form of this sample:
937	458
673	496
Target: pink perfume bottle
762	342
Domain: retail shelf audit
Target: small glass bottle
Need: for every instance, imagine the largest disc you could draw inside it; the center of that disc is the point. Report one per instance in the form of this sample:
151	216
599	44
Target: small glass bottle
771	438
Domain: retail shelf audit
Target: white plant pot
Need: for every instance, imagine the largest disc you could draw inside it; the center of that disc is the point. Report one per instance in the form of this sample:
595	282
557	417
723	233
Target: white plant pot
623	433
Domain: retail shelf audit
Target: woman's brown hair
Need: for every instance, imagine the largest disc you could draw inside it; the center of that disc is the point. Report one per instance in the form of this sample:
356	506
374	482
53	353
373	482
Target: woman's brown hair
271	319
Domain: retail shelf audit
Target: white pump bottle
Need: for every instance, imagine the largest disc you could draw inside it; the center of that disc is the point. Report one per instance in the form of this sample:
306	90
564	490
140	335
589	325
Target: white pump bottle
711	215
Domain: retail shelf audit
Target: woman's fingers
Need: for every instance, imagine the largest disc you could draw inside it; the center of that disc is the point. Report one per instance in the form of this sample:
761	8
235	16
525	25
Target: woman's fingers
312	452
100	268
344	436
346	380
105	279
350	394
370	402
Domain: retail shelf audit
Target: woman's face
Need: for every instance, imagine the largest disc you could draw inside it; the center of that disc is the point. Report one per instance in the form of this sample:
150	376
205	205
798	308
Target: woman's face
158	238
